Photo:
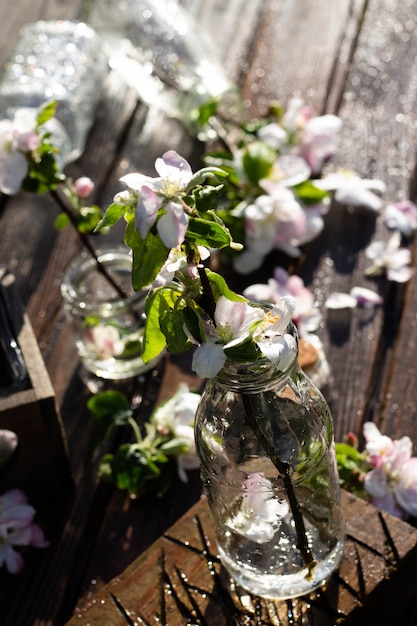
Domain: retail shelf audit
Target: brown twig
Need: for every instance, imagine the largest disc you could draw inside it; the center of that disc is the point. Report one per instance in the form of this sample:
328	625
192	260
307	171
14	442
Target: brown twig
284	473
87	243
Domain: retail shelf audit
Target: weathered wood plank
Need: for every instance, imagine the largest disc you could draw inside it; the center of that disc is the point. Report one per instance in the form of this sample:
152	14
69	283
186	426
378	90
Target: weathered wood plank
353	57
183	564
378	140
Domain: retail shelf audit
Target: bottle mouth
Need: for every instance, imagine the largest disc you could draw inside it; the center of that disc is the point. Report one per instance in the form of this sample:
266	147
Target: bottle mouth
251	376
85	288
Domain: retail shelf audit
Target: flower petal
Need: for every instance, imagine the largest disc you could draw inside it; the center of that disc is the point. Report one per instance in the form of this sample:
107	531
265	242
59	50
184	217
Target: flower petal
365	297
338	300
174	167
172	226
208	360
146	210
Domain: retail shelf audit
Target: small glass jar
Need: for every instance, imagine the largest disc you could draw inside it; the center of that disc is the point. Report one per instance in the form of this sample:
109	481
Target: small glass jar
265	441
108	328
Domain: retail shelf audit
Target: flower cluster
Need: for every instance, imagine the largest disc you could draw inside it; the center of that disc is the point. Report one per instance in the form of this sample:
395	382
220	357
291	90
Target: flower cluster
17	529
171	227
384	472
146	463
28	161
263	192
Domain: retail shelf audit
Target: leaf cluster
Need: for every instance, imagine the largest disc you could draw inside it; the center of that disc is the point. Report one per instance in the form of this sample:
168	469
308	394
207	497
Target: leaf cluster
352	467
44	173
139	466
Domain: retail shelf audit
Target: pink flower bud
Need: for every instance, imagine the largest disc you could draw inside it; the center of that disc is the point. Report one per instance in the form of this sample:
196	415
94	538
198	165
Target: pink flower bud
352	440
83	186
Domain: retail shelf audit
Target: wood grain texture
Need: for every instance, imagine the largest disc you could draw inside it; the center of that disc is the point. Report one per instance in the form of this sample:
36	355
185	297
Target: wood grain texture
352	57
179	579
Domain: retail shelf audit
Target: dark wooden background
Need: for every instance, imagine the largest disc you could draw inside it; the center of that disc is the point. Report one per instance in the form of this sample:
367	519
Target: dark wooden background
355	58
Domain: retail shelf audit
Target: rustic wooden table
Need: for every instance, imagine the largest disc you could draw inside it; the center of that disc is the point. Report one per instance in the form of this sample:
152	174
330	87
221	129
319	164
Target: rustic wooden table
355	58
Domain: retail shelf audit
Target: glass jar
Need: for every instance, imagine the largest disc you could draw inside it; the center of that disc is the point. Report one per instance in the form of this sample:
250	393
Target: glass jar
58	60
166	57
108	328
264	437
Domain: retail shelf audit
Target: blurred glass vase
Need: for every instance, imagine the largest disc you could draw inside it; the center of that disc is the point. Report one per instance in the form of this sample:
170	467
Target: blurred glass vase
108	327
63	61
164	55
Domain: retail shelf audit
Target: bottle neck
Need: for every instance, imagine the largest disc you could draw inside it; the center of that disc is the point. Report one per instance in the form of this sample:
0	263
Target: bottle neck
250	377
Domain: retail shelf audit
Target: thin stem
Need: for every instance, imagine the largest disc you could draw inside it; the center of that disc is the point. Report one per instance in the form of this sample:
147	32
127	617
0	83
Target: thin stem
284	473
209	301
87	243
282	467
136	430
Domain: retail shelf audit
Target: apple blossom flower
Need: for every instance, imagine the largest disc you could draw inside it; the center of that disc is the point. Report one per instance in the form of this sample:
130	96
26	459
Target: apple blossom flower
276	221
401	216
273	135
104	341
392	483
296	116
260	512
390	258
314	137
234	321
177	416
270	335
164	192
319	140
358	296
17	137
288	170
352	190
306	315
17	529
177	262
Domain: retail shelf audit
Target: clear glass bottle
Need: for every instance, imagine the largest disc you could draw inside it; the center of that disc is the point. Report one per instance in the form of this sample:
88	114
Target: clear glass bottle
265	441
165	56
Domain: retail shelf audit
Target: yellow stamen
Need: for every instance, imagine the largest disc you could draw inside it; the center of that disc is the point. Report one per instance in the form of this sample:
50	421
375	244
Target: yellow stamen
271	319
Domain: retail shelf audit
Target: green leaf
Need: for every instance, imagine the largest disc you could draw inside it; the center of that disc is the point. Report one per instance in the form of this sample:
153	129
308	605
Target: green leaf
149	255
61	221
87	218
244	353
206	111
220	288
112	215
207	173
258	159
159	305
348	451
193	323
171	324
46	112
111	403
135	469
175	447
108	409
43	174
206	197
308	193
208	233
